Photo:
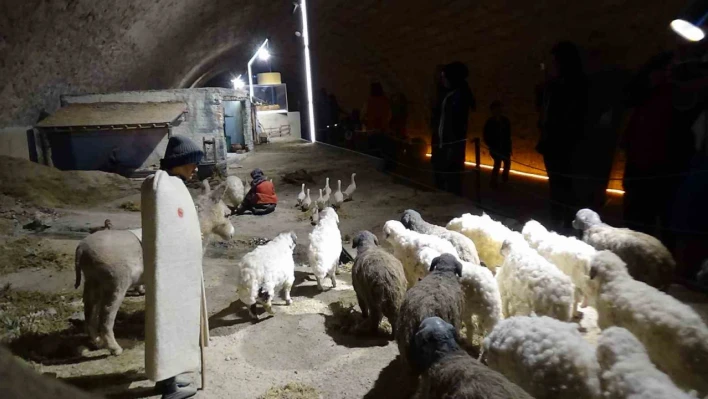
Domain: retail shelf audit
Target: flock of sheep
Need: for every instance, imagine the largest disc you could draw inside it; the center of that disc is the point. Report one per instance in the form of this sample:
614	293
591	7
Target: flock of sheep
517	293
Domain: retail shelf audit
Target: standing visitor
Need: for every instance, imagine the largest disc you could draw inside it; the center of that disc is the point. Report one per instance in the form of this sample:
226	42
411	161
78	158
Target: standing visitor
565	102
497	136
451	117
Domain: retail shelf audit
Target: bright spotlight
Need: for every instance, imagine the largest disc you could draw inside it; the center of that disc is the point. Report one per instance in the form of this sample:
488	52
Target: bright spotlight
308	70
263	55
687	30
238	82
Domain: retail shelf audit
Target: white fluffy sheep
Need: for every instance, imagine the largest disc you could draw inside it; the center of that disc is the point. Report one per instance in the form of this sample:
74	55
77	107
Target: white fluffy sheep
569	254
487	235
265	270
415	250
235	192
647	258
530	284
464	246
483	304
546	357
449	372
674	335
627	372
325	247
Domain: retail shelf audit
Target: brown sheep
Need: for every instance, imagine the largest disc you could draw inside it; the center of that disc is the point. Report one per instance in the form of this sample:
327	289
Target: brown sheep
449	372
378	280
438	294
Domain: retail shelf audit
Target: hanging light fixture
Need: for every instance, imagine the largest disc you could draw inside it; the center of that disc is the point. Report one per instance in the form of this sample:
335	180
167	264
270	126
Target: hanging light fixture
238	82
308	69
250	62
689	22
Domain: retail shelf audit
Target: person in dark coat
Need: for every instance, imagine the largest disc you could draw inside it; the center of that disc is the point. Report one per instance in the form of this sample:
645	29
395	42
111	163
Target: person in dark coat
261	198
565	102
449	138
497	136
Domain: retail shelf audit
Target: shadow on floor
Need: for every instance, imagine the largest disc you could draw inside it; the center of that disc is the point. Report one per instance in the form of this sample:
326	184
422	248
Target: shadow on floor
118	384
348	328
394	382
235	314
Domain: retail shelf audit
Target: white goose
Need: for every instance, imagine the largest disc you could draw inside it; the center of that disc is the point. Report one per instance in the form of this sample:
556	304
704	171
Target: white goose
307	202
301	196
321	203
326	199
350	189
338	197
327	190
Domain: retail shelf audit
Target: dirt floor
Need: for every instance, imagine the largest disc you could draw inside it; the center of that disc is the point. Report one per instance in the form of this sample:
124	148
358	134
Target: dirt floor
310	349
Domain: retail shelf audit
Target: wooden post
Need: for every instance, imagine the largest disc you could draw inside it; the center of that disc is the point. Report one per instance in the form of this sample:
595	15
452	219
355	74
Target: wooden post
478	169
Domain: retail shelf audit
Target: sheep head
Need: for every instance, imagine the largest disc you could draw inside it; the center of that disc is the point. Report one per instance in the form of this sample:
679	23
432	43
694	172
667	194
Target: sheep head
605	265
615	344
447	263
586	218
434	339
410	218
533	228
211	213
363	240
392	227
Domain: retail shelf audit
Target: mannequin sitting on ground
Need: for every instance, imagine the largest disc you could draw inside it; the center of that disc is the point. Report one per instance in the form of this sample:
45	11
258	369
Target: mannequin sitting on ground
261	198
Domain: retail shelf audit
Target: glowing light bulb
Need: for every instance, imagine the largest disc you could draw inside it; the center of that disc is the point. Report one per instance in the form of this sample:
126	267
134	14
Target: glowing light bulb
263	55
687	30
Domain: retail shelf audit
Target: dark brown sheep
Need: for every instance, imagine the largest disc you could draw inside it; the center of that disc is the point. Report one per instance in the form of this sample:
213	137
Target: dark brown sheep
438	294
378	280
449	372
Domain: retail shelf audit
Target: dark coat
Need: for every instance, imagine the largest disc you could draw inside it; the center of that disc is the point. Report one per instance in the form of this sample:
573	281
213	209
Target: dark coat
497	136
456	113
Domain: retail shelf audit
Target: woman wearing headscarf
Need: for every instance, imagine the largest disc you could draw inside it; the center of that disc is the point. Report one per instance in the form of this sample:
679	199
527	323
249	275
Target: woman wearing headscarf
450	120
261	198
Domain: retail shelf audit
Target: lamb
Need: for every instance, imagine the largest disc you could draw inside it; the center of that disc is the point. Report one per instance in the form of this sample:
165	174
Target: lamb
112	262
378	280
463	245
627	372
483	303
349	192
438	294
449	372
529	284
265	270
569	254
546	357
674	335
647	258
415	250
325	247
235	192
487	234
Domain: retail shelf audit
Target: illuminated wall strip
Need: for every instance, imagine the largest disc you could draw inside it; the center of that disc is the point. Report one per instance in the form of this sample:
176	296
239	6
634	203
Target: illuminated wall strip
250	62
308	70
530	175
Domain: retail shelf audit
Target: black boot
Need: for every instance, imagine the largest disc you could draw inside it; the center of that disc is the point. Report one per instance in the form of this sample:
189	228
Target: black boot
170	389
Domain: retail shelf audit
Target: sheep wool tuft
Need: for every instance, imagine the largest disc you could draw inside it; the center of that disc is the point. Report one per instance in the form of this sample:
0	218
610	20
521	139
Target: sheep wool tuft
415	250
546	357
325	247
647	258
627	372
483	303
487	234
674	335
529	284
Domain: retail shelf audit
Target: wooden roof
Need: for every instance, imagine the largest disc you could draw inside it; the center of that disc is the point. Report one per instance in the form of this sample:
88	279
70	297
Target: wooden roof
114	115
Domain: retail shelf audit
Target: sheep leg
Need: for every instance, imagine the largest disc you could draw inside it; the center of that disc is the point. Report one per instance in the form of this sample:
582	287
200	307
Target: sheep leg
109	309
91	314
375	320
331	277
286	293
319	283
269	307
362	306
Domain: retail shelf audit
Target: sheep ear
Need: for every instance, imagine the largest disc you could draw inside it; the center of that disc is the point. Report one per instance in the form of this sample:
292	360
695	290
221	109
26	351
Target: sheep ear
593	272
355	241
293	236
434	263
218	193
376	240
458	269
205	186
481	263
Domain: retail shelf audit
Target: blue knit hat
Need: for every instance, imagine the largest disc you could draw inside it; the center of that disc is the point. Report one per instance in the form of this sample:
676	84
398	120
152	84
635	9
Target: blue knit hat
180	151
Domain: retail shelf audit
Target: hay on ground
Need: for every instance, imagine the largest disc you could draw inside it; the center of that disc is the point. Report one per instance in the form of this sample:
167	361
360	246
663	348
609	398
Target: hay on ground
31	252
45	186
292	390
130	206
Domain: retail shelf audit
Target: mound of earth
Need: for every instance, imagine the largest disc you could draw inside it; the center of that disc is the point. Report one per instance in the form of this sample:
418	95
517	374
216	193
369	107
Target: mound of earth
45	186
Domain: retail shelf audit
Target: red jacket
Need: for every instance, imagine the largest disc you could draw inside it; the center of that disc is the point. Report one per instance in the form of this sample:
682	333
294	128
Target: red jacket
264	193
